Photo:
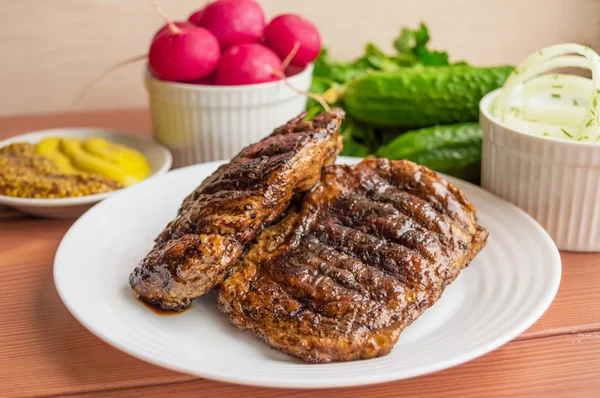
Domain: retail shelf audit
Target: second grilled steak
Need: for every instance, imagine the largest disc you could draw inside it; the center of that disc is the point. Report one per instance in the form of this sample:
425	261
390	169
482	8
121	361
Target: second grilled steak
370	249
231	207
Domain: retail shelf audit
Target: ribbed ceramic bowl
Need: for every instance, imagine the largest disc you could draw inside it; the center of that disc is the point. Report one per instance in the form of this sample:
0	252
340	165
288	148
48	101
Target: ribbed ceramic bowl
201	123
556	181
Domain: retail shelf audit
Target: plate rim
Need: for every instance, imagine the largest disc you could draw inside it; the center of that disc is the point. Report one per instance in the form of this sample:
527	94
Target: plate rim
369	379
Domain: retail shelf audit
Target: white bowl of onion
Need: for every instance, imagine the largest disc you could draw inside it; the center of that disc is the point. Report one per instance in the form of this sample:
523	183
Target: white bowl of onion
541	144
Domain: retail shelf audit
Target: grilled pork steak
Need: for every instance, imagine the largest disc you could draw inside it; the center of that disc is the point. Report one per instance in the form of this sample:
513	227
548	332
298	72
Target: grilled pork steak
231	207
370	249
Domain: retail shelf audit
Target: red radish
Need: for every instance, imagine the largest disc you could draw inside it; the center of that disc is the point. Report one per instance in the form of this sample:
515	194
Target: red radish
293	70
205	81
167	27
182	53
284	31
234	21
196	16
248	63
188	54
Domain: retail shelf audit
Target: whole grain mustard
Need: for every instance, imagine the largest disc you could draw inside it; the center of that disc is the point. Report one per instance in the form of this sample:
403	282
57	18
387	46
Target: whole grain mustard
27	174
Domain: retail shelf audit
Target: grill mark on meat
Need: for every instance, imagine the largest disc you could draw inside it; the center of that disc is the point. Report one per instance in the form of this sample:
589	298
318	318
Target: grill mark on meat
352	272
231	207
325	260
438	193
376	303
341	277
399	261
288	307
251	171
319	301
418	209
420	182
385	221
306	282
298	284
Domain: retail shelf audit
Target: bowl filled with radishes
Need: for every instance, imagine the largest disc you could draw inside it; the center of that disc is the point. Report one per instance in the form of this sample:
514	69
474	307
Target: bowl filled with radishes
226	78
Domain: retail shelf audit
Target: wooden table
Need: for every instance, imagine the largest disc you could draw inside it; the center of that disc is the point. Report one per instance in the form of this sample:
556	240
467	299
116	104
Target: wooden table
45	351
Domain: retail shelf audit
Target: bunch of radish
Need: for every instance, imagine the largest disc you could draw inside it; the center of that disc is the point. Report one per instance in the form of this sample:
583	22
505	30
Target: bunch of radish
229	43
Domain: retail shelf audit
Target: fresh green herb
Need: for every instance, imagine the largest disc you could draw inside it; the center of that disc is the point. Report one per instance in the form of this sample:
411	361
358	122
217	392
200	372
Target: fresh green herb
337	71
589	123
330	90
411	46
555	95
566	133
575	102
555	77
516	111
557	86
598	138
414	43
540	52
595	102
350	132
545	134
585	137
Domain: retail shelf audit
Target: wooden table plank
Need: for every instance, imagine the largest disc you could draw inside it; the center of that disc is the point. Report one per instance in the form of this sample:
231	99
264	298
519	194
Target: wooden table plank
50	352
136	121
576	307
44	350
565	366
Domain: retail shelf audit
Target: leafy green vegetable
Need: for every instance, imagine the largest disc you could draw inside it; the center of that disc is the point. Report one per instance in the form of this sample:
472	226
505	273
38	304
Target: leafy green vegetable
373	60
414	43
337	71
411	47
349	131
319	85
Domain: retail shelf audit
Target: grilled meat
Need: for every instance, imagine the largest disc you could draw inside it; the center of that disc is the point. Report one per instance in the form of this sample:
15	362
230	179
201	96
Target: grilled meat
370	249
231	207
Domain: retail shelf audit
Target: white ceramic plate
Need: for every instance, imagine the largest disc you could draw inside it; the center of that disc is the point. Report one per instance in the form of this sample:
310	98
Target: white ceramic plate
158	156
505	290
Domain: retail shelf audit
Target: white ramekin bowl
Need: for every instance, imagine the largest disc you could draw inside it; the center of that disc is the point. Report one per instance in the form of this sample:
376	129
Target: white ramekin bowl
556	181
201	123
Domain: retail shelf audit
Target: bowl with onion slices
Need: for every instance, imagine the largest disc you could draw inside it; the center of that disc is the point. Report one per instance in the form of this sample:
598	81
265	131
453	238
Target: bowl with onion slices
541	143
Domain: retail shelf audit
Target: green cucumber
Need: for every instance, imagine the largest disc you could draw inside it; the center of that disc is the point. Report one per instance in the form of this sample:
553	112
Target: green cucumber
422	96
451	149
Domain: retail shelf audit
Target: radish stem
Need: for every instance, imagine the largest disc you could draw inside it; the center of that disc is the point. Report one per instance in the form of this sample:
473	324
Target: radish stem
124	62
291	55
166	17
314	96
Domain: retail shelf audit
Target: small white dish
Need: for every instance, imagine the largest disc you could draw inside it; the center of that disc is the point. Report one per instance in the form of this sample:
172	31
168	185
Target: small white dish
201	123
158	156
556	181
507	287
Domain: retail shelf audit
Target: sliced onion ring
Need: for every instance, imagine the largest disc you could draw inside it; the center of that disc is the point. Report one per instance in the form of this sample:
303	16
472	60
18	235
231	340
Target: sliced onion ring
528	75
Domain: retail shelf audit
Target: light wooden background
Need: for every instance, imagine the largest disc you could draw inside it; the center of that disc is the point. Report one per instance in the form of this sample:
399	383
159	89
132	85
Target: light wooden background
50	49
